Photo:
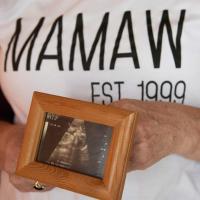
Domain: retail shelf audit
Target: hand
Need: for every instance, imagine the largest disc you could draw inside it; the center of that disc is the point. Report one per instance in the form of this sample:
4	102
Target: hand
26	185
162	129
11	144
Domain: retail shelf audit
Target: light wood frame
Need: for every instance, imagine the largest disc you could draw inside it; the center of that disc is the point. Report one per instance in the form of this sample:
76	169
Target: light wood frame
123	123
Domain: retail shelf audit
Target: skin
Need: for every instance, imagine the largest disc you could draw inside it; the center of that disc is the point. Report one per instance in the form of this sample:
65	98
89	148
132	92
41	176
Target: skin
162	129
10	143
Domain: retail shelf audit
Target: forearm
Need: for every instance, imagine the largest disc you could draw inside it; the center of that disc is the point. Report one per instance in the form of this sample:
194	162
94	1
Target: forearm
193	143
163	129
190	147
10	141
10	145
4	140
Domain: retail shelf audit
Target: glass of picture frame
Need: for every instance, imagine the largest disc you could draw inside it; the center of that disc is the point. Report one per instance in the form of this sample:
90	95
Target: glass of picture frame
77	145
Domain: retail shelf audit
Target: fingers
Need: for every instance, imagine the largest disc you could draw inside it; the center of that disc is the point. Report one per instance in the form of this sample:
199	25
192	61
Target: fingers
26	185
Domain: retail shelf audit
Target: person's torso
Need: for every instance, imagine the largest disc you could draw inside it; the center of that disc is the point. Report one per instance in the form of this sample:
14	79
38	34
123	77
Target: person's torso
102	51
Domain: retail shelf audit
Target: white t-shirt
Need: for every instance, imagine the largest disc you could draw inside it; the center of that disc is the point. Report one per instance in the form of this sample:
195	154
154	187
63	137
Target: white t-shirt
103	51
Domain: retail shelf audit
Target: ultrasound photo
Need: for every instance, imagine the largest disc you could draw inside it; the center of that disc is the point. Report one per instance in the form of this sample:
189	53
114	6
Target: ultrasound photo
75	144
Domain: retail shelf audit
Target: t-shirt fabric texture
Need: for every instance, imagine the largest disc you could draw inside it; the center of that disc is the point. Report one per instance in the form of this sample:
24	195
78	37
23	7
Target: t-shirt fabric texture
103	51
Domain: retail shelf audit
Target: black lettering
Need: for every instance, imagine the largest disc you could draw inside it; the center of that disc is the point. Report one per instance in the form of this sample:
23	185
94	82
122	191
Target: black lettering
133	54
93	94
142	90
156	49
154	92
163	93
106	94
179	91
119	83
14	42
58	56
78	34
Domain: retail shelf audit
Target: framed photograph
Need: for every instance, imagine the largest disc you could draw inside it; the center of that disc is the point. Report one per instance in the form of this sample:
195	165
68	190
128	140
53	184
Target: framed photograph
77	145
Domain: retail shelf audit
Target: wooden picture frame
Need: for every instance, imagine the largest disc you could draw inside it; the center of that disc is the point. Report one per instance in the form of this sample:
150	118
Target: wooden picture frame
110	185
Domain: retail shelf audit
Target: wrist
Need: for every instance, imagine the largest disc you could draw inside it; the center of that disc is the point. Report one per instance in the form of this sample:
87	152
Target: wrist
190	143
4	139
10	142
14	140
